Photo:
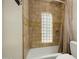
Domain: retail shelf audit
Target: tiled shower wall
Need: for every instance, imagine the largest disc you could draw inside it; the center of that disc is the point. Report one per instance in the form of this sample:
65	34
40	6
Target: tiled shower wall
25	14
36	7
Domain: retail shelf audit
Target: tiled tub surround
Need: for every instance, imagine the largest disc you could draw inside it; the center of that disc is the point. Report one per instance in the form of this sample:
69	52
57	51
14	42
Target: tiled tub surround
25	14
36	7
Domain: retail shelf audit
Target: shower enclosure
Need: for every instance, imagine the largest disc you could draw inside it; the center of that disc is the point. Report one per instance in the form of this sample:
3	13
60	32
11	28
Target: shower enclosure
42	26
45	20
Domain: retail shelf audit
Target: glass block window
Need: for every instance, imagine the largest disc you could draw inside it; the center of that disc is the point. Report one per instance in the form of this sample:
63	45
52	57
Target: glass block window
46	27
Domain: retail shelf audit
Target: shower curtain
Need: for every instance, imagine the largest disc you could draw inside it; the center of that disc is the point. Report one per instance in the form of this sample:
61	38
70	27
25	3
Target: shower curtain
67	36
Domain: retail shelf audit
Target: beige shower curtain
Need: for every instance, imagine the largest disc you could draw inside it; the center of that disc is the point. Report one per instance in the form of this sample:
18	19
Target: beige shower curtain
64	45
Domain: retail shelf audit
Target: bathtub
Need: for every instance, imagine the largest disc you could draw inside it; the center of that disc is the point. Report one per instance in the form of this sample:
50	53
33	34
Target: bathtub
50	56
43	53
50	52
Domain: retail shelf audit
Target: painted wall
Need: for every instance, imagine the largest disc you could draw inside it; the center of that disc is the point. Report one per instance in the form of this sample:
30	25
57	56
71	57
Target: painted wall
75	19
12	30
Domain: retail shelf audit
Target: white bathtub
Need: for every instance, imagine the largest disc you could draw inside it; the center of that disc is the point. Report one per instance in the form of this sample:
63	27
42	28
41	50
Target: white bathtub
43	53
50	52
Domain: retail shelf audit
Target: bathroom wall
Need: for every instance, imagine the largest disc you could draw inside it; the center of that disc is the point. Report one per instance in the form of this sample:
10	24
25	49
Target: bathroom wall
12	30
25	28
36	7
75	19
